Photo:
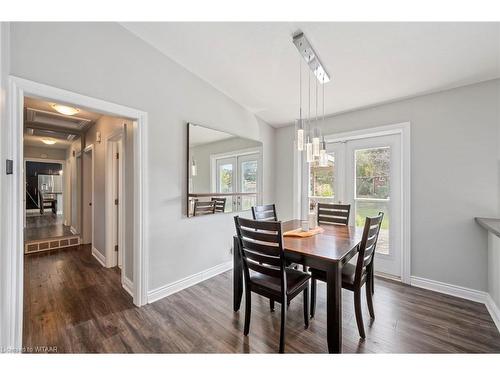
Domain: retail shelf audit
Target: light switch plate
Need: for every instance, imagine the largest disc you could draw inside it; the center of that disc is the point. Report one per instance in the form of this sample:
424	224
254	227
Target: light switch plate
9	166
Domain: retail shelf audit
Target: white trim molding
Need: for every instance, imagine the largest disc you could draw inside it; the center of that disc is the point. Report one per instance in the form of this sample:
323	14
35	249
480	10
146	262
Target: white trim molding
98	255
177	286
449	289
128	285
494	310
460	292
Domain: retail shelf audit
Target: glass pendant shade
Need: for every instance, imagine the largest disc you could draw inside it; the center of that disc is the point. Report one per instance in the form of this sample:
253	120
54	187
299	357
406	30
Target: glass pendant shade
309	152
300	135
300	139
315	145
193	168
323	158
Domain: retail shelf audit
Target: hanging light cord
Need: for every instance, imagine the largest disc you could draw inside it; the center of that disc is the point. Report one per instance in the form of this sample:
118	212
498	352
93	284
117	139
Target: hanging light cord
300	93
309	116
316	102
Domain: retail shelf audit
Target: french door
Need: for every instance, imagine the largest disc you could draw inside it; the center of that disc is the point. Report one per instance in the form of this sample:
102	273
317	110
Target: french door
366	173
238	174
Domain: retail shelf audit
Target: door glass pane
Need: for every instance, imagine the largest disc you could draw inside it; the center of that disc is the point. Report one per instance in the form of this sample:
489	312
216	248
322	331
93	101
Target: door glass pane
248	183
372	192
322	182
226	183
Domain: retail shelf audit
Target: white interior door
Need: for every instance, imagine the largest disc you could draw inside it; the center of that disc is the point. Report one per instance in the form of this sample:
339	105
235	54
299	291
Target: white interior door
373	185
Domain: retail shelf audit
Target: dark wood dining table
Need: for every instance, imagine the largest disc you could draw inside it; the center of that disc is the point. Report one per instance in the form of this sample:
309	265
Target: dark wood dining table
327	251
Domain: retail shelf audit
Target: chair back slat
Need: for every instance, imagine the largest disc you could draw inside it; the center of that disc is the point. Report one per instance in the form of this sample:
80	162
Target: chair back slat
259	235
264	269
263	259
333	213
261	247
368	244
220	204
204	208
265	213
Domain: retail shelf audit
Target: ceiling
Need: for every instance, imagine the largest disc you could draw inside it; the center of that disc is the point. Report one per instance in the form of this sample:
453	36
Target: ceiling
36	141
41	121
257	65
200	135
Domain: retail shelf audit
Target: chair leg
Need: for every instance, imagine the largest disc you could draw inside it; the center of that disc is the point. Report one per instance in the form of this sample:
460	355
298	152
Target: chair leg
357	309
306	307
282	331
372	280
248	308
313	297
271	304
369	301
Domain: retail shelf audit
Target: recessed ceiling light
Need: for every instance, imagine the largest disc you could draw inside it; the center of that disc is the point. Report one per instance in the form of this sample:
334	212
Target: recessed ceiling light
48	141
65	110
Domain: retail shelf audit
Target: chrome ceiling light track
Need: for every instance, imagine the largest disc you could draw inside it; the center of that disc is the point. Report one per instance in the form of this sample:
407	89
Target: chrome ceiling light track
311	57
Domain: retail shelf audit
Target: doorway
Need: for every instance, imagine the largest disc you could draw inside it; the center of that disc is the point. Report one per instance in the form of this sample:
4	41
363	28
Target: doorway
115	196
370	171
14	268
88	196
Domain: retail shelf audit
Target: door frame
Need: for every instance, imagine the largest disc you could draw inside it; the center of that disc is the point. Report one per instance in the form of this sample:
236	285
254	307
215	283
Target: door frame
403	130
111	219
86	150
12	320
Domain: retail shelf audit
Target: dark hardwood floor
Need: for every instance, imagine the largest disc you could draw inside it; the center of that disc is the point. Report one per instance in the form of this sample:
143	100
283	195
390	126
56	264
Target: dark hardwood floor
48	225
73	303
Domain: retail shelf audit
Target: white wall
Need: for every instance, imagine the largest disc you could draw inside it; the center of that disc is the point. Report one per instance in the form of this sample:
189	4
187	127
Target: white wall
107	125
454	176
105	61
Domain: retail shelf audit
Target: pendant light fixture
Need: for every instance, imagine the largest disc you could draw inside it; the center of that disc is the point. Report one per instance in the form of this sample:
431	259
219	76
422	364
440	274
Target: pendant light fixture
314	146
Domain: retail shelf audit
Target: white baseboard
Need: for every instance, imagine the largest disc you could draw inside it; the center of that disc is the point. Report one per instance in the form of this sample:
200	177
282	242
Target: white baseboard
128	285
177	286
100	258
452	290
493	310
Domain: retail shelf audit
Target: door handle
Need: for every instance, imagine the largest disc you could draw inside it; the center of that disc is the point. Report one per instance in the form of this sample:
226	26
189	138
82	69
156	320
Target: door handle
90	204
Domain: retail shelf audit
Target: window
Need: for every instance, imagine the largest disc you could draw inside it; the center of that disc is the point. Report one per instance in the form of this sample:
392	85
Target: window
322	182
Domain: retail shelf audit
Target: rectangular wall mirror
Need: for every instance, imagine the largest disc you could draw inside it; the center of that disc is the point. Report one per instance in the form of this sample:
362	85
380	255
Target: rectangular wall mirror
224	172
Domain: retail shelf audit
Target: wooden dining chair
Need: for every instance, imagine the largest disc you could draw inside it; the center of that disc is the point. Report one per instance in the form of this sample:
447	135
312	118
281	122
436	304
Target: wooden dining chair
333	213
220	204
204	208
355	276
265	212
265	271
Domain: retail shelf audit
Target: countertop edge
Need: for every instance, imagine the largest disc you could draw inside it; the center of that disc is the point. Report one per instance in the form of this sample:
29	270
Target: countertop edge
490	224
